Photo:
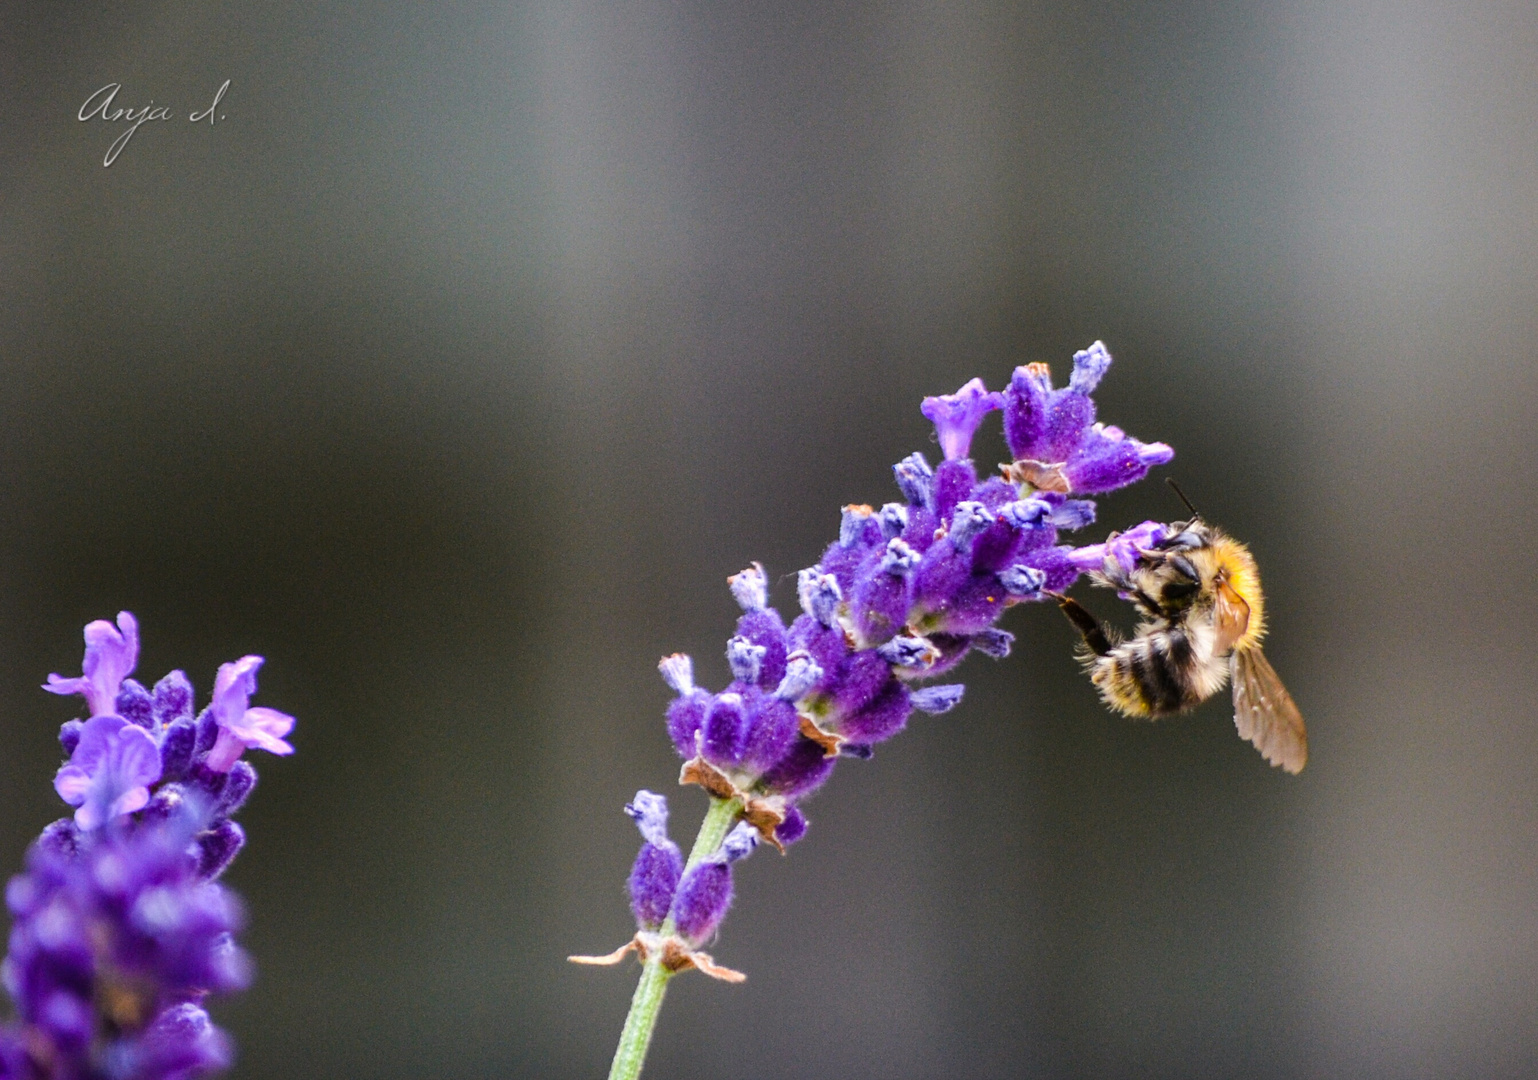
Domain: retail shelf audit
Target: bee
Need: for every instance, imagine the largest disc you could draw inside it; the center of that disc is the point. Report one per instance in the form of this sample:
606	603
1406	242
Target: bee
1204	615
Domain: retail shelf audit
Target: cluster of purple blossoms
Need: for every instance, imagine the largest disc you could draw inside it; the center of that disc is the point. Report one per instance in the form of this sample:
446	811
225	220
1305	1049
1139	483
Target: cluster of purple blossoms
120	929
903	595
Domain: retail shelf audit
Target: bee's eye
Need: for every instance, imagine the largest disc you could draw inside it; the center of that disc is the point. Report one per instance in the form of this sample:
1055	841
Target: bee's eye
1179	590
1182	566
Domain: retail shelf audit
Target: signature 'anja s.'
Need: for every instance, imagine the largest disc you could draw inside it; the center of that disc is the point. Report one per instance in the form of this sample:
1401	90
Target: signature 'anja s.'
99	106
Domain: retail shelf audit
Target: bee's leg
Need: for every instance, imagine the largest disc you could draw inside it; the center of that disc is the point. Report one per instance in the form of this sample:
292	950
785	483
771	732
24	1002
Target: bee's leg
1085	623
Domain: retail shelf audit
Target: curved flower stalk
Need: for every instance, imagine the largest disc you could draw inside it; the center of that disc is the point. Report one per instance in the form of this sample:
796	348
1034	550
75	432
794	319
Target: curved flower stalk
897	601
120	929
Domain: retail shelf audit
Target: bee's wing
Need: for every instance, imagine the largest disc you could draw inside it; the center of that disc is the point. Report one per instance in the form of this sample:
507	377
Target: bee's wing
1264	711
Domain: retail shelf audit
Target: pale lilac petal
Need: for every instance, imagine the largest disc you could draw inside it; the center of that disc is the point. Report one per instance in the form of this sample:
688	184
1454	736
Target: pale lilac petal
111	768
96	740
72	783
137	761
58	684
89	817
130	801
268	722
233	687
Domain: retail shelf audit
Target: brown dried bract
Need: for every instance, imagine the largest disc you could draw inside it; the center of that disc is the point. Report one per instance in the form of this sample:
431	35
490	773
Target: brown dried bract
764	812
1040	475
828	740
715	782
672	952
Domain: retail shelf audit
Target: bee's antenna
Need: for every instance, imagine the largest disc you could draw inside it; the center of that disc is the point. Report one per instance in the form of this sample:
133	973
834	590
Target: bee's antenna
1195	513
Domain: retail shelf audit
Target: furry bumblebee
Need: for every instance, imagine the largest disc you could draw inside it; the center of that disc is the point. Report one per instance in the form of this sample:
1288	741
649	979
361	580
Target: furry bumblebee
1204	615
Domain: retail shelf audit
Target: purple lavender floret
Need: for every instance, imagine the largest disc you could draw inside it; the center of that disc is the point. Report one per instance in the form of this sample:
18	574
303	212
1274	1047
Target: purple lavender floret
957	416
111	654
120	930
705	892
1053	436
658	865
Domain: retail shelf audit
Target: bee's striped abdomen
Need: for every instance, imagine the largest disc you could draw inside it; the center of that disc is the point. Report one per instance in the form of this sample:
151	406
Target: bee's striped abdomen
1150	675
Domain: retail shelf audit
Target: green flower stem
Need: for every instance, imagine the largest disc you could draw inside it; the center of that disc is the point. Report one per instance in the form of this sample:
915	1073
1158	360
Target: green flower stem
630	1055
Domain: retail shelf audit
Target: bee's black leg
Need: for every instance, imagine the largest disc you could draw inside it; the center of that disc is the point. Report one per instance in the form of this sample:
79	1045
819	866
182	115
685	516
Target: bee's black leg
1085	623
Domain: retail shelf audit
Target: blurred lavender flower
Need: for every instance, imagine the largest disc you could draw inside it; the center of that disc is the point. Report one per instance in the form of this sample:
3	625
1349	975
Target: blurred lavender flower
120	930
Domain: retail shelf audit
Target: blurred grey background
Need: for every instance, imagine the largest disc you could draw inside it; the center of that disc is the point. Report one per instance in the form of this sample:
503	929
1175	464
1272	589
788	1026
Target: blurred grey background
460	361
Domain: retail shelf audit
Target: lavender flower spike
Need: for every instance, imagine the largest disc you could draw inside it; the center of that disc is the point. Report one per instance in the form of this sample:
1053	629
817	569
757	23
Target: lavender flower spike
111	654
957	416
900	597
242	727
110	771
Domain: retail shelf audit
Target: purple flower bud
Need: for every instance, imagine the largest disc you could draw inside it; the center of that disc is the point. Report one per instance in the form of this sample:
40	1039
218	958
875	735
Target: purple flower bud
772	727
723	735
69	734
685	717
678	672
134	705
899	558
957	416
208	731
745	659
176	746
653	881
825	644
801	674
183	1042
993	643
1089	367
884	717
856	525
172	699
739	843
969	519
703	897
955	481
802	770
239	782
893	519
916	480
1027	513
937	699
819	594
218	847
654	877
1120	548
750	588
1073	514
765	628
792	828
909	652
1023	582
111	654
1107	459
649	811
